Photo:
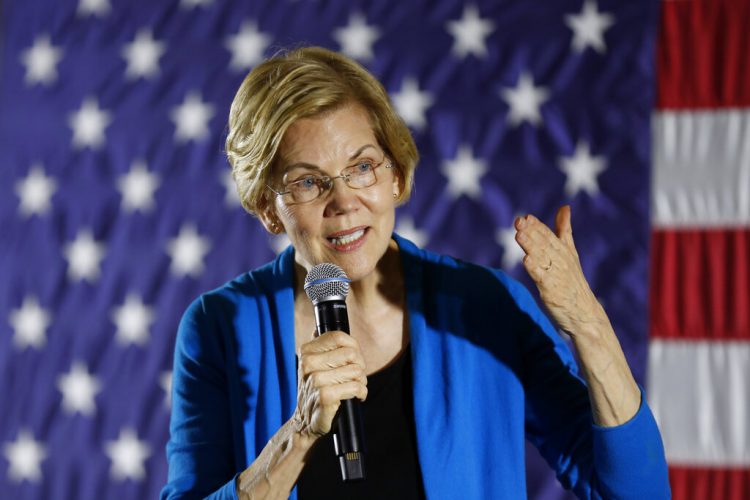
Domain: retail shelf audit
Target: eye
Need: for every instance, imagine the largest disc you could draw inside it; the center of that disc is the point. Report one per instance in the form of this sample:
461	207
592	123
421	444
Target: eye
306	182
364	166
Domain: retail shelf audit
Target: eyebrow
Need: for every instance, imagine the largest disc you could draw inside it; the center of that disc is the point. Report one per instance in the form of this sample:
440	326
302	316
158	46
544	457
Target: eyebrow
302	164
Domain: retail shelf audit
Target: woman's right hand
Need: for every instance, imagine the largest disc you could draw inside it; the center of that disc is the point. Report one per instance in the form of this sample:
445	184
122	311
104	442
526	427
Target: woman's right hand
331	369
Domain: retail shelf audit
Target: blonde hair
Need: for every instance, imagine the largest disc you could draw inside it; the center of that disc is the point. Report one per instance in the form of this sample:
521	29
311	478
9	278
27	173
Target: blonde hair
303	83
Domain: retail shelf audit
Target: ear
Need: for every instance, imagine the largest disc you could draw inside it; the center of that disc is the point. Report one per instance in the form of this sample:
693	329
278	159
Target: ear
397	184
270	220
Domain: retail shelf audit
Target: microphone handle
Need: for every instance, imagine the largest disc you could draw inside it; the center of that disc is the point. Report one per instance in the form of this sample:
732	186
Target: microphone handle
348	431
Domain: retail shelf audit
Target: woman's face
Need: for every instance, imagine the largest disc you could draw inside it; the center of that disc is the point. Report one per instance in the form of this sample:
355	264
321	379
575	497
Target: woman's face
347	227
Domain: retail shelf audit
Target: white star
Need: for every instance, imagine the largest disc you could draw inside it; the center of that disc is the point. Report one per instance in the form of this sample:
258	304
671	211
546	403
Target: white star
137	188
231	197
512	251
133	320
463	173
165	382
247	46
79	388
35	191
189	4
469	33
142	55
408	230
84	256
127	454
41	61
279	242
589	27
24	456
187	251
88	124
357	38
582	170
96	7
29	324
191	118
412	103
524	101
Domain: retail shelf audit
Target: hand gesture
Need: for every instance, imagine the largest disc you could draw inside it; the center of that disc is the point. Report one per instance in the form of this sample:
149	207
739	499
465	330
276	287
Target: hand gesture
331	369
552	262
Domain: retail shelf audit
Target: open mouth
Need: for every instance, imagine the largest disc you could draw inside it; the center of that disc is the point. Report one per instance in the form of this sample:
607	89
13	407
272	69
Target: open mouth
348	239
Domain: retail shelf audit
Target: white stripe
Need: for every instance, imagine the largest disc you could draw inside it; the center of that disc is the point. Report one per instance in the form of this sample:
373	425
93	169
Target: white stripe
700	395
701	168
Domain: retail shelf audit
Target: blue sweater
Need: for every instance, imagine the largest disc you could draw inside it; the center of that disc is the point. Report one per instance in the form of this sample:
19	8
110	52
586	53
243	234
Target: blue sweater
489	370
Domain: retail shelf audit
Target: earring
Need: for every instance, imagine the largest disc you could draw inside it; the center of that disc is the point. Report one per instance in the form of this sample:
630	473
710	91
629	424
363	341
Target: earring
395	195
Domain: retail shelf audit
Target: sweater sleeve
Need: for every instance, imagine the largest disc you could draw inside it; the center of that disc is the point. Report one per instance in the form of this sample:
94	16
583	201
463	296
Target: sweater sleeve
199	451
625	461
629	458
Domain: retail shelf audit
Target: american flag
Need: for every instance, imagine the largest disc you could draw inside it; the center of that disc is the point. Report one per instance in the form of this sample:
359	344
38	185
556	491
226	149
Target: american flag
699	356
117	206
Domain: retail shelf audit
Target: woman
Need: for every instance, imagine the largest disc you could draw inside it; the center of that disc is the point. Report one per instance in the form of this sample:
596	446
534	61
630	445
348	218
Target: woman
466	365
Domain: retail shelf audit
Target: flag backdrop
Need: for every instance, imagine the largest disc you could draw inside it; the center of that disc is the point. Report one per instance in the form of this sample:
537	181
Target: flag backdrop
117	209
699	357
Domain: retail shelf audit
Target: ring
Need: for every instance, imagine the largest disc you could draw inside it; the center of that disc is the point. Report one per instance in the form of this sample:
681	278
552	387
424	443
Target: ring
549	266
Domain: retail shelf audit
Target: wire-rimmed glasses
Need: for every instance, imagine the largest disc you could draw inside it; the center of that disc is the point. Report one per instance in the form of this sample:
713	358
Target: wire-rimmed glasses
310	187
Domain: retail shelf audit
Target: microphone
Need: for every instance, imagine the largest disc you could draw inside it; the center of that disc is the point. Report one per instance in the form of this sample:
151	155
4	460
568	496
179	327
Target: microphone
327	286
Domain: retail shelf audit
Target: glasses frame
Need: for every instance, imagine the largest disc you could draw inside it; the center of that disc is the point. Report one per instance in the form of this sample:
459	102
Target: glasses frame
327	181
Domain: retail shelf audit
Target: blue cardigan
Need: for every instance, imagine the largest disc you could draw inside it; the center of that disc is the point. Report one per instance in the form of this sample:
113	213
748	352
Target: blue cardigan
489	370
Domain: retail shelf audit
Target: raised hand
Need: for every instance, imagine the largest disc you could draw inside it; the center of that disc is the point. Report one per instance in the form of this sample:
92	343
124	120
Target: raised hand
552	262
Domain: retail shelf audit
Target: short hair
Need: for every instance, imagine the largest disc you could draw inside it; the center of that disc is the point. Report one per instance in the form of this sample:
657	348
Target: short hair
304	83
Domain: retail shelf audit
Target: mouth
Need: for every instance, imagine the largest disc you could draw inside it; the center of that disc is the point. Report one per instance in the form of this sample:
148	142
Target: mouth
347	240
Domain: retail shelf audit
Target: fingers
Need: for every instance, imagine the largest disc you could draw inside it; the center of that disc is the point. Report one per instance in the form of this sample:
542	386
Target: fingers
333	359
332	395
544	249
329	342
319	405
331	369
563	226
534	236
338	375
325	354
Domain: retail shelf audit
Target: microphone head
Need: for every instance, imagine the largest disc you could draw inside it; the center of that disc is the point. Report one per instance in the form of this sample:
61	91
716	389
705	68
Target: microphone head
325	282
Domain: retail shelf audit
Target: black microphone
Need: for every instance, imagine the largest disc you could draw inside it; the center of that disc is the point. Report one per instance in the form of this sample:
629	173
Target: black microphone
327	286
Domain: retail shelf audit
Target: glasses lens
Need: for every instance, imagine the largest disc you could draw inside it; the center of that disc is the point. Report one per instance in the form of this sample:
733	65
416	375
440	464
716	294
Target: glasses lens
306	189
361	175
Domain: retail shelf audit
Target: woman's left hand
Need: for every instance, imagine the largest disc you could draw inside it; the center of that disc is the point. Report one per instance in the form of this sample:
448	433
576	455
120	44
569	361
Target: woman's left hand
552	262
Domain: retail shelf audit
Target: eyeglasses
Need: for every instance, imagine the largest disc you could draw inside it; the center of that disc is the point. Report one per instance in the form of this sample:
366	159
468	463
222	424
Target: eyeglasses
311	187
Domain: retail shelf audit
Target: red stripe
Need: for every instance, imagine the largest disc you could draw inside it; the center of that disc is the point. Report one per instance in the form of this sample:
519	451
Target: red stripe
700	284
702	54
697	483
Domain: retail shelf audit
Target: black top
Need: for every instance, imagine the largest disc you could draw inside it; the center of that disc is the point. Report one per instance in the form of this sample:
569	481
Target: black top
391	462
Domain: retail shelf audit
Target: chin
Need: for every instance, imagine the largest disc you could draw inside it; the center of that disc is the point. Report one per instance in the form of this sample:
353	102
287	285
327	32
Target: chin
356	268
360	265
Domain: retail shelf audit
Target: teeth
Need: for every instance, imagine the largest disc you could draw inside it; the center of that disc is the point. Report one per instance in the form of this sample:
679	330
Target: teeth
345	240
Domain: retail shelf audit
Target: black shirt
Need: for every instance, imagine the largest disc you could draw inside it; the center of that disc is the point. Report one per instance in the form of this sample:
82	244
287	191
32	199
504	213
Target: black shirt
391	463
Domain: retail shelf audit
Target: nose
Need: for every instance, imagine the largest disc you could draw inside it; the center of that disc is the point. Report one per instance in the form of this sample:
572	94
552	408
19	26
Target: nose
342	199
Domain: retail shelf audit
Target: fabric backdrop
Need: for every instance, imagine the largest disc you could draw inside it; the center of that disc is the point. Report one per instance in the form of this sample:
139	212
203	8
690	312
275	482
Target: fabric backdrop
699	357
